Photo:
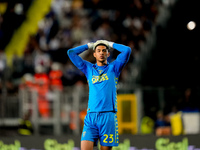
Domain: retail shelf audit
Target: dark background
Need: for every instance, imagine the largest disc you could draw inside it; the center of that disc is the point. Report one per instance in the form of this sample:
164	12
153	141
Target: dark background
175	59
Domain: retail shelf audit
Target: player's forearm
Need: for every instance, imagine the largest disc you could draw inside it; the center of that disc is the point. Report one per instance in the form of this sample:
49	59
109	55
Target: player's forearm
125	51
77	50
73	55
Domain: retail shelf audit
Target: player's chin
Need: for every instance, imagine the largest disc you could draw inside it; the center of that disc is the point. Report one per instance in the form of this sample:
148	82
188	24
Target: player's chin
101	59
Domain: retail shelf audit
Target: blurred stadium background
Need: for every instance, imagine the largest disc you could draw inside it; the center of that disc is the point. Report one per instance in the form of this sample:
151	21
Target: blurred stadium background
43	96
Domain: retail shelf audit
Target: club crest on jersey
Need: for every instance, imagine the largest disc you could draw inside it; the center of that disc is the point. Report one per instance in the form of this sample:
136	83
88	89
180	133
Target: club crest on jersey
100	71
99	78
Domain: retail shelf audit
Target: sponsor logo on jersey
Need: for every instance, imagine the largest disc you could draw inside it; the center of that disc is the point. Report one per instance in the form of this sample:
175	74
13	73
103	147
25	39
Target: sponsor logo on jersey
99	78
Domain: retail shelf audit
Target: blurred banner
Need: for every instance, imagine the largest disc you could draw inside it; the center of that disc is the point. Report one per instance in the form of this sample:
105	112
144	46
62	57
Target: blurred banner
29	27
127	142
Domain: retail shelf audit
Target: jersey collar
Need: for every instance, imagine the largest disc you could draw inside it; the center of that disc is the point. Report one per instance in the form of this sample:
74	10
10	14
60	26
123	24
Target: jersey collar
96	66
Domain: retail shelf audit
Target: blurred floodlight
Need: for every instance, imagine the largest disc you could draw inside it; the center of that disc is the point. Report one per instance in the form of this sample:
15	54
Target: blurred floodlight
18	8
191	25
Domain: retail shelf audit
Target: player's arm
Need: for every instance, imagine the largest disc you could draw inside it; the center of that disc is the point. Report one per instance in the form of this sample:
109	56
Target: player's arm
122	58
73	54
125	52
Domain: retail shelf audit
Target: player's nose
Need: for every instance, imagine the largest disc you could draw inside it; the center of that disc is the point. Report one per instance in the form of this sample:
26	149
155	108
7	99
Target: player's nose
101	52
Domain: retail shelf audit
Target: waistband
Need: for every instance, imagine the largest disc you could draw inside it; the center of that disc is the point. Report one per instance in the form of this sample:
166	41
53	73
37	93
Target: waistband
103	112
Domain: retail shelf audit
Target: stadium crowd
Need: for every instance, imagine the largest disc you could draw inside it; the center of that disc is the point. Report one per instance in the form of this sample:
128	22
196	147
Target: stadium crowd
71	23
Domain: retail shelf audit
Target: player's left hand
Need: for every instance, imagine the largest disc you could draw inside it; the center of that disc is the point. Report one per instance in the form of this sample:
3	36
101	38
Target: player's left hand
110	44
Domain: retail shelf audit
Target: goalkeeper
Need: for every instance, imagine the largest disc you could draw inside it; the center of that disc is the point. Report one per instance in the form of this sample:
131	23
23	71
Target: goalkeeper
101	122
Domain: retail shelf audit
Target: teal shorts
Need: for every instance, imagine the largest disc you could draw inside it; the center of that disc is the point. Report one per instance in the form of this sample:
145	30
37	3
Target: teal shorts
101	126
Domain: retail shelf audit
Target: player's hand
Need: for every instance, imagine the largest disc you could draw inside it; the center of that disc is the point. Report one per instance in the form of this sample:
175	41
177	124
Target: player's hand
110	44
90	45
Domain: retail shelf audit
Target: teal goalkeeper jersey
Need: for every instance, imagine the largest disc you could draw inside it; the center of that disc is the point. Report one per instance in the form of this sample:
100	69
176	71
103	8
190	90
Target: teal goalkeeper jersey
102	80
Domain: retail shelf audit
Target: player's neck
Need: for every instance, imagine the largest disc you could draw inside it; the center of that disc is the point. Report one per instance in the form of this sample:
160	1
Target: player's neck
99	63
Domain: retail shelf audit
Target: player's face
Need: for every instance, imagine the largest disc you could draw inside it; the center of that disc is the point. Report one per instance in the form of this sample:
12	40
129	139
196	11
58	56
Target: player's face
101	53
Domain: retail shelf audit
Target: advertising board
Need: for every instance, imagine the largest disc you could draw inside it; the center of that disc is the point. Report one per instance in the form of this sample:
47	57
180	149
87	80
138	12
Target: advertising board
127	142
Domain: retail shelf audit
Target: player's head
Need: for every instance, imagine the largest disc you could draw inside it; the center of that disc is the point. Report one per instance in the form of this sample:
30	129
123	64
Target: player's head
101	53
102	44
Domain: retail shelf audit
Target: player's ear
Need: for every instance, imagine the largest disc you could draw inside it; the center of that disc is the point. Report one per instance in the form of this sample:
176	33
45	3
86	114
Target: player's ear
94	54
108	54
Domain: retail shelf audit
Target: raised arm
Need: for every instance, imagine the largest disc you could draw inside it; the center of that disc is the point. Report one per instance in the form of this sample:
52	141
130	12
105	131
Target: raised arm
122	58
125	52
73	54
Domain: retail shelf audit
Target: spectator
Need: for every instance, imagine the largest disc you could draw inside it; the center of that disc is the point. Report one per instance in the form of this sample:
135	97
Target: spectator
55	77
187	102
42	86
162	124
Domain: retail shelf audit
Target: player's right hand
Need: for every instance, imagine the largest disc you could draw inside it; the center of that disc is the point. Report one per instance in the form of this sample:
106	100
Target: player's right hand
90	45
